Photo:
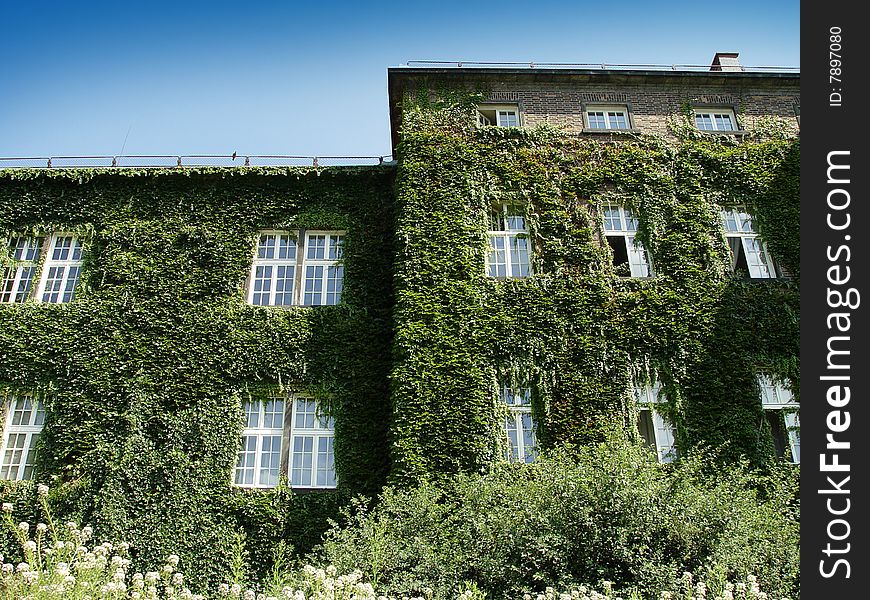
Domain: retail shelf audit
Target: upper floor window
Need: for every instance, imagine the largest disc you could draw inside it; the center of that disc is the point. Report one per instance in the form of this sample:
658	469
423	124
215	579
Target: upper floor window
18	278
284	273
607	117
629	256
715	119
749	253
498	115
519	425
656	431
61	269
781	412
301	447
24	420
509	247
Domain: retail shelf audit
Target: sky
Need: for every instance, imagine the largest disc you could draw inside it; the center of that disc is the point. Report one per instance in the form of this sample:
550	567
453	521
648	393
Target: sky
308	78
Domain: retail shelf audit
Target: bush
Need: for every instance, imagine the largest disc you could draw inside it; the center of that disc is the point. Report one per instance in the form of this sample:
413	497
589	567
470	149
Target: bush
608	513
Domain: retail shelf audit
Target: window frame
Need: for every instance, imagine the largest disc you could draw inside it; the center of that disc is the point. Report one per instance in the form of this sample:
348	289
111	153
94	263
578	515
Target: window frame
259	433
300	263
510	238
498	108
513	420
638	257
714	111
34	244
317	433
24	467
606	109
647	398
747	236
48	263
775	397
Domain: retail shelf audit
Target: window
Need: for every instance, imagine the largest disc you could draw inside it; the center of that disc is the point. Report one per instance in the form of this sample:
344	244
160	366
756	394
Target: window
629	256
24	420
749	255
600	118
312	441
61	270
259	460
284	274
781	412
302	446
498	116
18	278
508	254
715	119
518	424
653	427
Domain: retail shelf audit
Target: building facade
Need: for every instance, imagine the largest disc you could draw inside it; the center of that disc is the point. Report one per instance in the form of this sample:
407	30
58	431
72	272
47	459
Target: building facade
555	256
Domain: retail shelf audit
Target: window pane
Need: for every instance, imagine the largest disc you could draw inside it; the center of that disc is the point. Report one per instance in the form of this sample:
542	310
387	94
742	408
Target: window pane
519	256
596	120
313	285
618	120
334	284
286	248
266	246
270	460
316	247
496	259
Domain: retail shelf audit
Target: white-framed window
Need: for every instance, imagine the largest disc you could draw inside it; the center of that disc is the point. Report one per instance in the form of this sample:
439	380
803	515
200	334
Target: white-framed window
715	119
783	417
293	268
18	277
509	253
620	228
24	420
655	430
324	275
498	115
259	459
61	269
312	446
749	253
607	117
519	425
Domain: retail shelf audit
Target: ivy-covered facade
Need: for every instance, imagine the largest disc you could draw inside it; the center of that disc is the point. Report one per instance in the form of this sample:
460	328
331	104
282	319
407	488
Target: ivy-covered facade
199	346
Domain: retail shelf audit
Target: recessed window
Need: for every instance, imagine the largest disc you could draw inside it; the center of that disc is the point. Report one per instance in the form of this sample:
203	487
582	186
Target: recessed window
302	447
498	115
720	119
519	425
61	269
607	117
18	278
782	414
509	244
749	254
312	446
24	420
297	268
259	459
630	258
655	430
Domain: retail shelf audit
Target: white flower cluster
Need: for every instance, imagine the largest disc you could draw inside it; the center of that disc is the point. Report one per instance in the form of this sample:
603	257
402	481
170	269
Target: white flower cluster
58	564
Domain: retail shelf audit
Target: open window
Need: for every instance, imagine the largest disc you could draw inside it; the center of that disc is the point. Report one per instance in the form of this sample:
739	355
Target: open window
498	115
654	428
630	258
749	254
783	417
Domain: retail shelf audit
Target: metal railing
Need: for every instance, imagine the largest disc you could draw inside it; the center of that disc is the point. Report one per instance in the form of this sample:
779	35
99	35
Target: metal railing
458	64
190	160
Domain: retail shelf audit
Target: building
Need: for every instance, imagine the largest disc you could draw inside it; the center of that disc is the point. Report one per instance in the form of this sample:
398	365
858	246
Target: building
556	253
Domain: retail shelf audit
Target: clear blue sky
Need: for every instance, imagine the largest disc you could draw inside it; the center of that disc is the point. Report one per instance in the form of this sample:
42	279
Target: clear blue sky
309	78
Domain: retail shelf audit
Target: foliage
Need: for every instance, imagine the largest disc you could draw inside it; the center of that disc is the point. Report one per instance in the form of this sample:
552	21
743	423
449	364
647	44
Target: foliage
610	514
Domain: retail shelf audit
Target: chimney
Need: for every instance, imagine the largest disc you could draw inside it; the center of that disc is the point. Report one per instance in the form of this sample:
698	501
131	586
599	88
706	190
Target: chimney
726	61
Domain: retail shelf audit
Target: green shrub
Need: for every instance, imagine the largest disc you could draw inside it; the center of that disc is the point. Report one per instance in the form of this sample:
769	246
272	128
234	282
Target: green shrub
608	513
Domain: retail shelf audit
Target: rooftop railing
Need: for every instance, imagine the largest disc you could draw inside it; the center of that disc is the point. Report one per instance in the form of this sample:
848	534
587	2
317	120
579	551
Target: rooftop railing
603	66
189	160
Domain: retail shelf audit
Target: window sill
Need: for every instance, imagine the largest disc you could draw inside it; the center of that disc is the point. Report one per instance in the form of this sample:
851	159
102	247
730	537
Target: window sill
611	131
735	132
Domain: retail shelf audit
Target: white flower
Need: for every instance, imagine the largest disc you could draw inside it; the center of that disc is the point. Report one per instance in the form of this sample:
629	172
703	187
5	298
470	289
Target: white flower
22	567
167	568
41	527
30	545
7	507
42	489
119	575
235	589
24	526
250	595
178	580
152	576
173	559
8	567
224	589
87	532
